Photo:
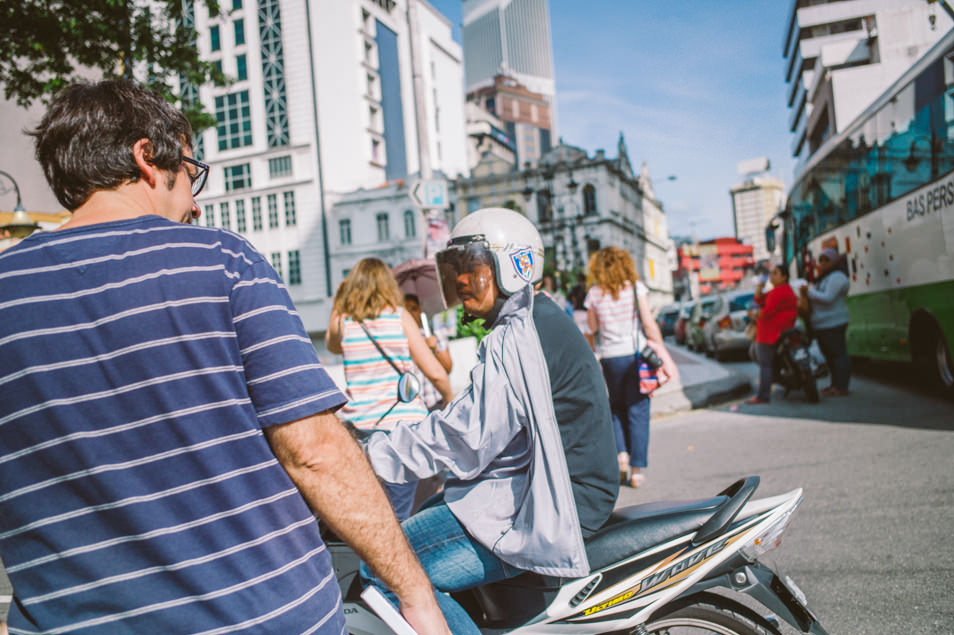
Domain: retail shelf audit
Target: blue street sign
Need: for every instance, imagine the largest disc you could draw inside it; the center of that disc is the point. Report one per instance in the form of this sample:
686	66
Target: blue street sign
430	194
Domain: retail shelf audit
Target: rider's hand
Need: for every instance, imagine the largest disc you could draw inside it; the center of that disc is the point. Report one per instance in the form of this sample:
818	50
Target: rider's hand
425	616
431	342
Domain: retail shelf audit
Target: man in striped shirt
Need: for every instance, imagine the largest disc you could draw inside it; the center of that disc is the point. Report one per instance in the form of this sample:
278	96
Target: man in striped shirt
166	429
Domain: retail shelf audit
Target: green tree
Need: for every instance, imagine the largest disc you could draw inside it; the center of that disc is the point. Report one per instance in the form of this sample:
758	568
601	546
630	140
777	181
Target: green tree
46	45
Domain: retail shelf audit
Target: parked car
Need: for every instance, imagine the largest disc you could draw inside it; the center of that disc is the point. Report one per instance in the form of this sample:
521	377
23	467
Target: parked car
666	319
724	332
679	328
700	315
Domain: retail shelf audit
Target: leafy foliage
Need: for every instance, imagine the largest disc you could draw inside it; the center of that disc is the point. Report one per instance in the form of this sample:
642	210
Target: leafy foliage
470	326
46	45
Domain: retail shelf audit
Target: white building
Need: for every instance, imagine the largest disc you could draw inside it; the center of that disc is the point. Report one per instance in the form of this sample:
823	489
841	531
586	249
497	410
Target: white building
510	37
326	99
841	54
755	201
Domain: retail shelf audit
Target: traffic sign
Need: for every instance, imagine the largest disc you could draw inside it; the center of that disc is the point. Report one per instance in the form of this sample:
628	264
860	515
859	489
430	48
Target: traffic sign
430	194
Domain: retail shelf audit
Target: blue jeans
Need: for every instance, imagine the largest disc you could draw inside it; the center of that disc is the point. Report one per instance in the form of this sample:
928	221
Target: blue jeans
835	349
765	356
453	561
630	408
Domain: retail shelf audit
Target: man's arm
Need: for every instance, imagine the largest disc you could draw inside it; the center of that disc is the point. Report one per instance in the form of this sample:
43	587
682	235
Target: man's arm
336	481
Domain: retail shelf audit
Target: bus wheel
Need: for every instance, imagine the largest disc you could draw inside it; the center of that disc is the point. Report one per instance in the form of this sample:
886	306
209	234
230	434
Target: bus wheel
943	367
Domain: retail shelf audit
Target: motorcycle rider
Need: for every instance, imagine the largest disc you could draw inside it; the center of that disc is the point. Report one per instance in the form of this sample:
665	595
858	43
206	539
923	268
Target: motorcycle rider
528	445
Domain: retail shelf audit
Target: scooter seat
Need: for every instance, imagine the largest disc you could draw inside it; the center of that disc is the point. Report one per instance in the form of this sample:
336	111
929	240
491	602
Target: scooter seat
630	530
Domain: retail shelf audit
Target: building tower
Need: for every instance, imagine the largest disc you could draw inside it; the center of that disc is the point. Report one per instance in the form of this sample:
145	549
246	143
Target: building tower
509	37
839	56
526	116
755	201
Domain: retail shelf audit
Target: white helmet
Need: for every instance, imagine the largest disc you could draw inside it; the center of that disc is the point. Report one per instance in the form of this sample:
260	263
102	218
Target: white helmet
498	236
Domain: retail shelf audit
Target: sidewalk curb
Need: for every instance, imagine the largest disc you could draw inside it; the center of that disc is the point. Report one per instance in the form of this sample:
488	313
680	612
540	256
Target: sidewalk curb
702	394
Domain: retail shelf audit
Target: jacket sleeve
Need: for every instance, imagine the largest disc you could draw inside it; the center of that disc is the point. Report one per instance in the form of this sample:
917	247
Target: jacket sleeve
836	286
770	305
463	438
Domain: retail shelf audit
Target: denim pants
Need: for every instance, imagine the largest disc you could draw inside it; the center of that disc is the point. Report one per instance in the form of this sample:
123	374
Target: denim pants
453	561
630	408
835	349
765	356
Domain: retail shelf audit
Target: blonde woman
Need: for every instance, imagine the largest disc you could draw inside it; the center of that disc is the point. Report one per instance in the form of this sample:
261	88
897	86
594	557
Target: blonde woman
370	295
617	308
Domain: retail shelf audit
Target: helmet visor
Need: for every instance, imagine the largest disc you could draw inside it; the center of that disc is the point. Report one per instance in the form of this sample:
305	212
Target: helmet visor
465	268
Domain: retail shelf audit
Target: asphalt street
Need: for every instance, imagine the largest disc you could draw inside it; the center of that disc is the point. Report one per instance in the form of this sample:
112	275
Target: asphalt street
871	546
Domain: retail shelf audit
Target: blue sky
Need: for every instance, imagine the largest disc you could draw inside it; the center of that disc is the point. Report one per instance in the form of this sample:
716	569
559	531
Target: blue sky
694	86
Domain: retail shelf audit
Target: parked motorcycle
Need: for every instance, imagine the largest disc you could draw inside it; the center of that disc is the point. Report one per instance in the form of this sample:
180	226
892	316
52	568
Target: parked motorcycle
795	369
664	567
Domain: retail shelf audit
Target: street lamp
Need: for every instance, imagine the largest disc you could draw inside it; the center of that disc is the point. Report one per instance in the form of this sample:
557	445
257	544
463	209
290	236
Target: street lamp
20	225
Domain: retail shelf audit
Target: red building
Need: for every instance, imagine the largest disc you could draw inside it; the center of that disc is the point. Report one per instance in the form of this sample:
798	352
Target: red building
721	263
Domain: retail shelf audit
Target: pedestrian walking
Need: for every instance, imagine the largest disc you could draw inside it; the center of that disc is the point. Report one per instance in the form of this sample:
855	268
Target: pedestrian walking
371	330
618	311
778	310
829	319
167	432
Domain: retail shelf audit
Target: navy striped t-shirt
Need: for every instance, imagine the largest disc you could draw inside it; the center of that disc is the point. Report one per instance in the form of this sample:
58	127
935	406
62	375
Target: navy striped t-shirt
139	362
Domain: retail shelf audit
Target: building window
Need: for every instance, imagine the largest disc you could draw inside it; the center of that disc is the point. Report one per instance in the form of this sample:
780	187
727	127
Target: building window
589	200
273	211
215	41
257	213
473	204
370	80
410	228
241	67
210	215
280	166
234	117
239	32
290	220
294	267
240	216
277	263
236	5
224	215
273	73
218	67
237	177
344	231
376	151
384	228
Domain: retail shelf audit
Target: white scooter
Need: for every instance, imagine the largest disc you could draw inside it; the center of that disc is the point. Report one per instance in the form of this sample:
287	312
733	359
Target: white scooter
665	567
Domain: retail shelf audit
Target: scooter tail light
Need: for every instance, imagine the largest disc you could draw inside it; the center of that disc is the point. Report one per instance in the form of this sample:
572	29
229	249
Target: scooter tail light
770	537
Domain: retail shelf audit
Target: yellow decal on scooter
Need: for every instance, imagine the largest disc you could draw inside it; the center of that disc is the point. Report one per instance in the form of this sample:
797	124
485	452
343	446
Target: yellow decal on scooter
609	603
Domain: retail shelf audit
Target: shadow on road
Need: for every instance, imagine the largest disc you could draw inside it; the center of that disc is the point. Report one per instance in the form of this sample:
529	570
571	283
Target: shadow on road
882	393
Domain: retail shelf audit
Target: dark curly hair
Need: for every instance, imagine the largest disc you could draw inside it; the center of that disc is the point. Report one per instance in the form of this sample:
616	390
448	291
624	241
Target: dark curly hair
85	140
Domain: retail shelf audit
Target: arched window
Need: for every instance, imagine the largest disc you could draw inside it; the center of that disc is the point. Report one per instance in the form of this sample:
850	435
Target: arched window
589	200
410	228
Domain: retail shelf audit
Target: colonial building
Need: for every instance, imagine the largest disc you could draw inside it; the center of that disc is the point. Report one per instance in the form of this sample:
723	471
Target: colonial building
580	203
329	98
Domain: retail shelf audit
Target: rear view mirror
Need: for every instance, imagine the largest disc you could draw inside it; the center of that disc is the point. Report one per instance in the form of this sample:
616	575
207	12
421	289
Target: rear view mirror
409	387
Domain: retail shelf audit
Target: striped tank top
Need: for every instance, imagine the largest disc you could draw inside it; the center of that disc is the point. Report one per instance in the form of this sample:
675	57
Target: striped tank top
372	382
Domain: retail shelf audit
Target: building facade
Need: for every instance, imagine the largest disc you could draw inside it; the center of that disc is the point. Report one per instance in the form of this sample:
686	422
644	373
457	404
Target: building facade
580	203
718	264
328	97
526	116
841	54
755	201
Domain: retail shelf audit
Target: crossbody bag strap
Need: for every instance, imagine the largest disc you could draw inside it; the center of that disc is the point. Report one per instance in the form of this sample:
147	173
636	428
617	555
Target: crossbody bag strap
380	350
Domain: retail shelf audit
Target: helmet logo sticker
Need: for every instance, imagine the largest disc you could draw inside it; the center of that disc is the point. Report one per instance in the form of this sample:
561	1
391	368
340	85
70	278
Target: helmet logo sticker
523	263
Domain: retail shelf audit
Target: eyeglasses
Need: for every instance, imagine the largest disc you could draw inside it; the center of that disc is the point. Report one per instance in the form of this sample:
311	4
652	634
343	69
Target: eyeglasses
198	179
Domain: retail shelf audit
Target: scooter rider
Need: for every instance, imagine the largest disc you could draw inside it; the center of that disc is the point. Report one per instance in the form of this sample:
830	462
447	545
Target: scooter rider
528	445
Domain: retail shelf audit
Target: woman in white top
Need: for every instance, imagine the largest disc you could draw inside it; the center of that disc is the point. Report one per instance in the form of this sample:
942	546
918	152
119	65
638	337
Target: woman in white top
617	317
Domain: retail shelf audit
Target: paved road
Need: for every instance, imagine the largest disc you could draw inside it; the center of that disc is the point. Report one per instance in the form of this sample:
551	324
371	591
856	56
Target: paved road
871	546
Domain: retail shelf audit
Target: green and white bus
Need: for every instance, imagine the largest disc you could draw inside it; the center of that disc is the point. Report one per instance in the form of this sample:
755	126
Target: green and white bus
882	193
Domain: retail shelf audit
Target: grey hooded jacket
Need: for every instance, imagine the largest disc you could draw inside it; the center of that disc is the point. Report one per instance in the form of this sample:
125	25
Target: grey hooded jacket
510	487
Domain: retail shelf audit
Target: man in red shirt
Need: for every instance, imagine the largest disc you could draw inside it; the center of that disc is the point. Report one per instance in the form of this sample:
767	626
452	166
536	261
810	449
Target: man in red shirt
778	310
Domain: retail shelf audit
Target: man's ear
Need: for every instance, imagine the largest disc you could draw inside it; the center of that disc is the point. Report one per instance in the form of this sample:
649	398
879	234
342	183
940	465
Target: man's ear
143	153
